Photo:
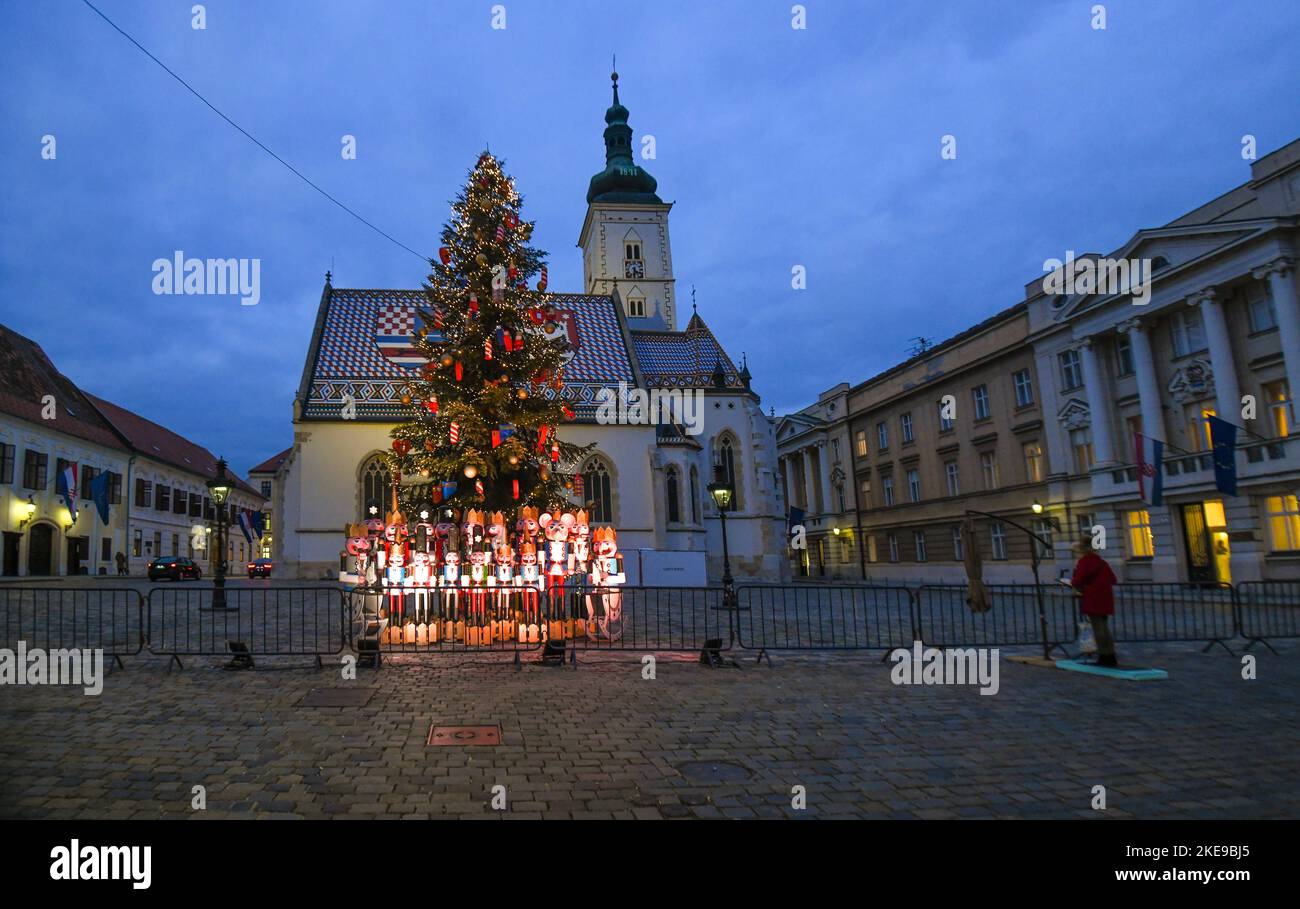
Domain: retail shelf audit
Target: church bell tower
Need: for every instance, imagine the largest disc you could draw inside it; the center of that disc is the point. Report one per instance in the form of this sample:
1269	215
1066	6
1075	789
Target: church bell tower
624	240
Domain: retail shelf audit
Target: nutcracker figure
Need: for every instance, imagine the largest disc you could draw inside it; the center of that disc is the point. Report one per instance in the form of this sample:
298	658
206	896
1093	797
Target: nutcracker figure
359	548
426	629
450	584
529	582
580	567
607	575
556	528
503	558
395	584
479	633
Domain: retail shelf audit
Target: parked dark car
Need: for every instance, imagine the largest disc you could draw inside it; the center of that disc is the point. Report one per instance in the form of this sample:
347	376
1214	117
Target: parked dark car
174	567
259	568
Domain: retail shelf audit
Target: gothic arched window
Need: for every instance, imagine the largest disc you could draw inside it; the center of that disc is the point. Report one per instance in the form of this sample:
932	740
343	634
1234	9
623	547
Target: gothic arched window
376	483
728	457
671	484
695	495
599	491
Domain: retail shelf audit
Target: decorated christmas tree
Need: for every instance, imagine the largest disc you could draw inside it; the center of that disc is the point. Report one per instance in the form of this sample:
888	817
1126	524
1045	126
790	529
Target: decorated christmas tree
486	408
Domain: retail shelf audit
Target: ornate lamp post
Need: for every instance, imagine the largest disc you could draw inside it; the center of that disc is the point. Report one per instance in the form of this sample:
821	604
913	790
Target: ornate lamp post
721	492
219	489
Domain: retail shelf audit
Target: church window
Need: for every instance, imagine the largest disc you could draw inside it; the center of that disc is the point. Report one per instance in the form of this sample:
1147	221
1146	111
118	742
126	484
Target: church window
727	457
674	498
633	264
600	500
636	307
376	483
695	495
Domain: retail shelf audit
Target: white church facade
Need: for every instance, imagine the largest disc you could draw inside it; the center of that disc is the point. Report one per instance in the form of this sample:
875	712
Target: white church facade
648	479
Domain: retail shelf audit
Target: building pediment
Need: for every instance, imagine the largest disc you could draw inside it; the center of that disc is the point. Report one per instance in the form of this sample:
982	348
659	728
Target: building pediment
1074	415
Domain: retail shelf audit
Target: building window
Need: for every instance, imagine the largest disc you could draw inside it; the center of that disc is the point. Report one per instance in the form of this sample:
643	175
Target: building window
633	265
674	499
1133	426
905	428
872	555
728	458
1081	445
266	489
958	552
861	441
36	466
162	498
87	477
1043	538
1034	462
157	544
695	495
1141	542
1071	370
998	537
945	423
176	544
1283	522
887	490
1185	332
980	395
1024	388
882	436
143	493
137	543
950	471
1281	409
1198	427
599	491
196	506
8	459
180	502
636	307
1123	355
376	482
893	546
835	451
989	467
1260	306
839	497
918	541
1085	524
914	485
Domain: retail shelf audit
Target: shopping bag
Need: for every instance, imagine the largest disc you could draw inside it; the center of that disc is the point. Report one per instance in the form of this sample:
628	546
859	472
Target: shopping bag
1087	641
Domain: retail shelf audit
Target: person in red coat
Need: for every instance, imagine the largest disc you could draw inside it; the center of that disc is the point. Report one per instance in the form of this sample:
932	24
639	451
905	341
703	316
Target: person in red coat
1095	582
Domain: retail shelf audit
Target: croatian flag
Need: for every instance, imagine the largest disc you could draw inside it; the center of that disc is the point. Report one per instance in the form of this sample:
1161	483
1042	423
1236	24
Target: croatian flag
246	525
67	488
1150	469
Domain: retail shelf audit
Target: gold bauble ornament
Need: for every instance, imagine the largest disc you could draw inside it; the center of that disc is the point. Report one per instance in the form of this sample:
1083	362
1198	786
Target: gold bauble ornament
471	471
522	393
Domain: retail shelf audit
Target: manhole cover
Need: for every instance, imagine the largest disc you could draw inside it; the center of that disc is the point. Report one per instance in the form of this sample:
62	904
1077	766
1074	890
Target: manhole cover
713	771
464	735
337	697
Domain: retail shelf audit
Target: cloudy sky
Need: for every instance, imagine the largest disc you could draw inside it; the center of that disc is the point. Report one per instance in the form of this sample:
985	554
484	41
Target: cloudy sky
817	147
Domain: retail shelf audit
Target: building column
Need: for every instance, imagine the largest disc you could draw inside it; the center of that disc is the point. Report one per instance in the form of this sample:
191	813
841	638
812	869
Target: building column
1227	394
1099	408
824	474
1153	422
1281	284
810	494
787	475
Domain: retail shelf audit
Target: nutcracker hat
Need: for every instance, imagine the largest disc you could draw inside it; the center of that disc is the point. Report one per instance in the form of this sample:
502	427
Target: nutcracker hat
504	553
528	549
528	513
498	518
395	517
581	516
604	534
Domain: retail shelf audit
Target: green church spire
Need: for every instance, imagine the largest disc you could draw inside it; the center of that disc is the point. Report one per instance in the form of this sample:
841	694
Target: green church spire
622	180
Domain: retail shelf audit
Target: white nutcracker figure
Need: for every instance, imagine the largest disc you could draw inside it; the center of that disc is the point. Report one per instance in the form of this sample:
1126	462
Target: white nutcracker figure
503	557
529	581
607	573
580	563
426	631
450	583
477	580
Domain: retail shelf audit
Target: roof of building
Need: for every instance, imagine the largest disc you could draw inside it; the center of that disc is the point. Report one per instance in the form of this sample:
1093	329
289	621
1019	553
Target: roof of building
27	376
622	180
161	444
365	347
271	464
685	359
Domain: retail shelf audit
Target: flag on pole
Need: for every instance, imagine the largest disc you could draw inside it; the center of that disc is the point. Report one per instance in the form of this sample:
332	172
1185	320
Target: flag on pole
1150	469
246	525
99	494
1223	441
67	487
259	523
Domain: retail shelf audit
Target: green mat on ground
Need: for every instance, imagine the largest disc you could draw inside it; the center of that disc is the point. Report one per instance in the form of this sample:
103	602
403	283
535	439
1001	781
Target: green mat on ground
1133	675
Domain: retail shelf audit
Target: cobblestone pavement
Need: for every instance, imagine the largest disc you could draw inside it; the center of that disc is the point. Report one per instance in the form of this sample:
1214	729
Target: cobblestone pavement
600	741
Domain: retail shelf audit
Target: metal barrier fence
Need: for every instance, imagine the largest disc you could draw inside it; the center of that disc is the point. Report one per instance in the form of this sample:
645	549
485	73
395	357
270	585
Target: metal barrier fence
688	619
945	620
81	618
1268	609
446	620
260	621
776	617
1174	612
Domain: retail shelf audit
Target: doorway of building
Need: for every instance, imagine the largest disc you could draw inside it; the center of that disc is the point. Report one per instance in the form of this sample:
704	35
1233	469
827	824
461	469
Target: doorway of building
11	553
1205	540
78	554
40	550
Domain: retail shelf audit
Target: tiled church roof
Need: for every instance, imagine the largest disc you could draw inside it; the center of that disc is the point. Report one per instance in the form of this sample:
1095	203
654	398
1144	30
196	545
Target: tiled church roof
684	359
364	347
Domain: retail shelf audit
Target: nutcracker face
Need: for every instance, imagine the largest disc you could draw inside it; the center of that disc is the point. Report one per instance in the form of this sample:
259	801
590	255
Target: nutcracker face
478	559
396	559
375	526
420	561
451	562
443	530
528	560
358	546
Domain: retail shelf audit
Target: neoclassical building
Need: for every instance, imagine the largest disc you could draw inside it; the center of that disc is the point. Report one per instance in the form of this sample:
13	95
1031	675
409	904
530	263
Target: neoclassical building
647	480
1218	336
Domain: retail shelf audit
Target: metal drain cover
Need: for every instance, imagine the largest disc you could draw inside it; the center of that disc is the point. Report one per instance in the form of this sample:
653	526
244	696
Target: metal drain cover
464	735
713	772
337	697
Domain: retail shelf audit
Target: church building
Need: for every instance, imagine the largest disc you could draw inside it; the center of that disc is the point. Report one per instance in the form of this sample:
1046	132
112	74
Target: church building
648	479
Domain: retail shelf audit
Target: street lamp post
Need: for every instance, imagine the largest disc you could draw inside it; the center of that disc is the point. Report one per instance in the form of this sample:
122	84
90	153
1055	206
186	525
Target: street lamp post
1035	559
721	492
219	488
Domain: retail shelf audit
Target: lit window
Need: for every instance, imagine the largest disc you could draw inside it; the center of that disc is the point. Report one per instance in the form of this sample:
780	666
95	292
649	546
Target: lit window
918	540
1024	388
1071	370
872	555
1081	445
1141	542
998	536
905	426
861	442
1185	332
1198	428
914	485
1283	522
950	471
989	467
980	395
1034	463
1281	409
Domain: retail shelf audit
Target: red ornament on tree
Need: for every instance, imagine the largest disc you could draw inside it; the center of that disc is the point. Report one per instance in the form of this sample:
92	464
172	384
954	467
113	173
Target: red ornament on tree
487	348
454	433
432	404
478	487
555	452
542	432
473	306
460	371
445	255
401	446
514	488
541	283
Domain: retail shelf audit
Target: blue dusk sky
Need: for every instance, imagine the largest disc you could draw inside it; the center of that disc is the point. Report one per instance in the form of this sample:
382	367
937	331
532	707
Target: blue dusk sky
779	147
